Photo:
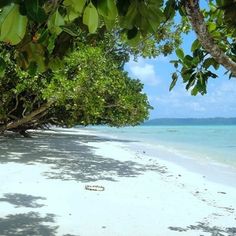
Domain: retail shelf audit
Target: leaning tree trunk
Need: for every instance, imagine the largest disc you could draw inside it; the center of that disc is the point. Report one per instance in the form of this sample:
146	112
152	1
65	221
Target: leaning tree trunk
26	119
196	18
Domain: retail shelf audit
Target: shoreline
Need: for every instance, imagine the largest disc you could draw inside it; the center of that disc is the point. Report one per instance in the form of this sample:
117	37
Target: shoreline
43	187
216	172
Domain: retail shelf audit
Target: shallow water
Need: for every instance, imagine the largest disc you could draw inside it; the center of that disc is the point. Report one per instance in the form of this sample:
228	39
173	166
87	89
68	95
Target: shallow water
212	143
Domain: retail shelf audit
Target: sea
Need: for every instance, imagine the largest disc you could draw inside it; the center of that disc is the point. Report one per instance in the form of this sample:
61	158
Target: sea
202	143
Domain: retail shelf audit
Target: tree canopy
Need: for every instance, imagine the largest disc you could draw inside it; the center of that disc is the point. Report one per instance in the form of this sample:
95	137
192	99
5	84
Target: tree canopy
40	38
42	30
88	86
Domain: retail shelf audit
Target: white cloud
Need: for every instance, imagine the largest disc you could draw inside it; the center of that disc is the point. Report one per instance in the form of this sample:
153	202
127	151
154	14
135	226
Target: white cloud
196	106
144	71
180	100
224	93
228	87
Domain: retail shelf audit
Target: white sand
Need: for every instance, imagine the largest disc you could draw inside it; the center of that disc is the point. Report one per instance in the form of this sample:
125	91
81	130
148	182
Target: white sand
42	191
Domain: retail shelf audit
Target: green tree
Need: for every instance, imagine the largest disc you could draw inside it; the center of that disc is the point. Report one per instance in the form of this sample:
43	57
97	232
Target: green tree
88	86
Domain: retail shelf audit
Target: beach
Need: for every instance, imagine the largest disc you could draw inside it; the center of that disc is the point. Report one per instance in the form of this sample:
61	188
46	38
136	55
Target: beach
48	182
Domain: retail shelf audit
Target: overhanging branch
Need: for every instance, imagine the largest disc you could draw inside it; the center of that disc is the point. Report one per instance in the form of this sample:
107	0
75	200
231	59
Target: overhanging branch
196	18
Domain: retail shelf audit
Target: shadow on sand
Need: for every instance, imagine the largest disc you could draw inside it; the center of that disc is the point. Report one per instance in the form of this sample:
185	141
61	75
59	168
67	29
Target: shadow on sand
69	157
205	228
30	223
27	224
22	200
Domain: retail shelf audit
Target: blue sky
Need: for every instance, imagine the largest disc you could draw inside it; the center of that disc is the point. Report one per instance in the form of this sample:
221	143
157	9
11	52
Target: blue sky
220	101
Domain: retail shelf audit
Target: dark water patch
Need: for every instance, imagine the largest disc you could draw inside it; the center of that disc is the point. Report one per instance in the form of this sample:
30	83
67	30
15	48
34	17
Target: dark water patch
231	146
172	130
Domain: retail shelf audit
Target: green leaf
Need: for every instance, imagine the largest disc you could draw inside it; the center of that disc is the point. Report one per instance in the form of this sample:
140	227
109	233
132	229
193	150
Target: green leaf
55	21
32	68
74	9
169	10
200	54
43	36
191	81
35	11
231	76
186	74
70	30
154	18
12	24
211	26
128	20
176	65
210	62
188	60
144	25
51	43
180	54
182	11
2	67
75	5
210	74
174	80
107	9
71	15
194	91
109	23
90	18
195	45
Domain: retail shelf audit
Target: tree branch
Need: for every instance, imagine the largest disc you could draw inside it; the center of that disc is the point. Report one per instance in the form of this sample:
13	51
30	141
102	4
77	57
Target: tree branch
198	24
17	102
27	118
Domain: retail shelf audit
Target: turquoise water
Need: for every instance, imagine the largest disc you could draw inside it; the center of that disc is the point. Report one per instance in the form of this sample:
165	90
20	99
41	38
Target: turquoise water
216	143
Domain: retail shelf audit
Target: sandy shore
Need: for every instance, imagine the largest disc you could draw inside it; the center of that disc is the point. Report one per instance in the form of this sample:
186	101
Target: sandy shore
42	191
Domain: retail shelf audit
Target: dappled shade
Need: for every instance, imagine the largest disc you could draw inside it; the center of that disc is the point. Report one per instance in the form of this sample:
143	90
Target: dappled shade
73	159
203	227
22	200
28	224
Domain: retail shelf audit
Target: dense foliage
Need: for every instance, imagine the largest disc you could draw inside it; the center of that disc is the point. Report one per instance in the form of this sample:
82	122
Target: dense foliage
43	30
88	86
54	70
37	27
39	39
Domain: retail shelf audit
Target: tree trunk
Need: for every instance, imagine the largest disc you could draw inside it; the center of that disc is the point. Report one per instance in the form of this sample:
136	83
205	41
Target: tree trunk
198	24
20	122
